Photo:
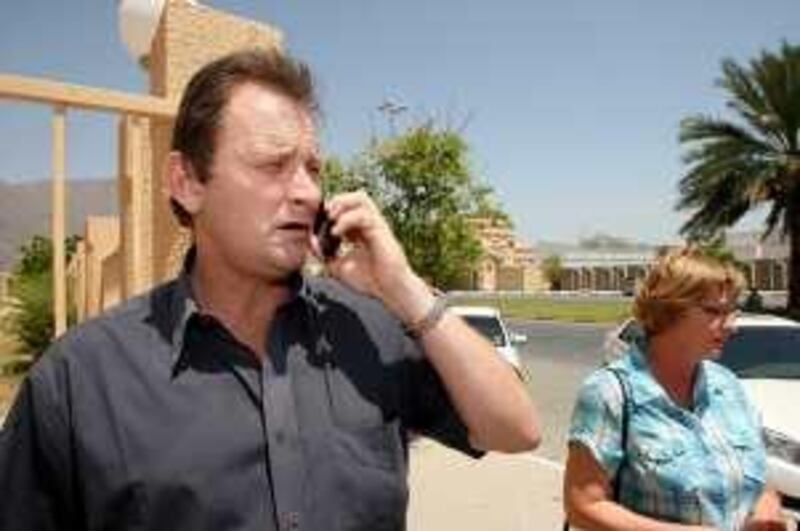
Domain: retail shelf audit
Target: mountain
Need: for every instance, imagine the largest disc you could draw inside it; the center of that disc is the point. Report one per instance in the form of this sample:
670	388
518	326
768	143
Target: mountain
602	242
25	211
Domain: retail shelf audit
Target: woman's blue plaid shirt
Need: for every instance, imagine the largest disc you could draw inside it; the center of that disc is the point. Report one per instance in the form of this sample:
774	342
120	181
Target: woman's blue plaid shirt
701	466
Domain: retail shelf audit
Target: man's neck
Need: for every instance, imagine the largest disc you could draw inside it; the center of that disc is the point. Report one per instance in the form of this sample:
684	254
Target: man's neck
246	305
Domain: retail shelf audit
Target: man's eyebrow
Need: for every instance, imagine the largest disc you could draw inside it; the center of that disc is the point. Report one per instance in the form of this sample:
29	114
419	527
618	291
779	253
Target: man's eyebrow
269	148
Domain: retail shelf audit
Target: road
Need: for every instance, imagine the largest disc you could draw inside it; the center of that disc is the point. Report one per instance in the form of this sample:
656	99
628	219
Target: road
510	492
557	357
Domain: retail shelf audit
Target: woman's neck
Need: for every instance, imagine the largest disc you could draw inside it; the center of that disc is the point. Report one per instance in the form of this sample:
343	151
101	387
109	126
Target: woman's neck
673	368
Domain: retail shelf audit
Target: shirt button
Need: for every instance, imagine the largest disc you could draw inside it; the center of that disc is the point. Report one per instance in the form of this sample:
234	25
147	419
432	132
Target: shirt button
291	520
280	437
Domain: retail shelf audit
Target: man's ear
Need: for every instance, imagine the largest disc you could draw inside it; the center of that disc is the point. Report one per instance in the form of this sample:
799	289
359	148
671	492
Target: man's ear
182	183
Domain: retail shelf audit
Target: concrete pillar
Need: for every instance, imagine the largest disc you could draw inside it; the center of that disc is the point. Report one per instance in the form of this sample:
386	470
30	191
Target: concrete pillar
58	219
78	277
102	243
135	187
785	276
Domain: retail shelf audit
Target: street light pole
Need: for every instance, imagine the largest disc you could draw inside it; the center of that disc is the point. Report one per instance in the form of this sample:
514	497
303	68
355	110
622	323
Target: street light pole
391	109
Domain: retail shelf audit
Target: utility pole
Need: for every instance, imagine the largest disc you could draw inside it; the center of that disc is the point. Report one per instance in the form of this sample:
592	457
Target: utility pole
391	109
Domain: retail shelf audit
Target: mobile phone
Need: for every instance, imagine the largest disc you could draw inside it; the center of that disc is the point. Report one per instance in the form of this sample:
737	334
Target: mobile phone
328	243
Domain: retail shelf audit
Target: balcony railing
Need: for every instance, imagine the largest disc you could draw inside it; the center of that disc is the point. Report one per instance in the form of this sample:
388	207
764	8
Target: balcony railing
63	97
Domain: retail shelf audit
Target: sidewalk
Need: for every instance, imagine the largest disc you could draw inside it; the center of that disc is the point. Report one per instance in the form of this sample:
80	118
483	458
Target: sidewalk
496	493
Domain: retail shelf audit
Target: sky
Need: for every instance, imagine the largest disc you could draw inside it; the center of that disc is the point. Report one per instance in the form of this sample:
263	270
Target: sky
570	107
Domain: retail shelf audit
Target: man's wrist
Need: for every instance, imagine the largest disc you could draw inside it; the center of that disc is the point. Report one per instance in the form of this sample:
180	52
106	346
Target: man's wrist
412	300
417	329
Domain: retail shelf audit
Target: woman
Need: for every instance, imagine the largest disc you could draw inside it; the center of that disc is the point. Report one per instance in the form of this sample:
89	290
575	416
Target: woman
692	456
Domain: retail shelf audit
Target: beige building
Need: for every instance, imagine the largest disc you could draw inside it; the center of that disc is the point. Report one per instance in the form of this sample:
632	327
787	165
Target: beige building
507	264
765	264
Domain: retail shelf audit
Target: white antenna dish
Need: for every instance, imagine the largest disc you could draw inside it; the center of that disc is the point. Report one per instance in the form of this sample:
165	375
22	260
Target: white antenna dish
138	21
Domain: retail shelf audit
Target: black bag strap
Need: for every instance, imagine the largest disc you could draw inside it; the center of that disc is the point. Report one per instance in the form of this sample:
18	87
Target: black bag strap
616	481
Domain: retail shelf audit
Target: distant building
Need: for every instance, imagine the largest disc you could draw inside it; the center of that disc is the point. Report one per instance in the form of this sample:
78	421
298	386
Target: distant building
605	270
766	264
507	264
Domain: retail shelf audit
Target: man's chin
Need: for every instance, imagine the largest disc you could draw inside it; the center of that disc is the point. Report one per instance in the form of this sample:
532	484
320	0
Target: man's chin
287	266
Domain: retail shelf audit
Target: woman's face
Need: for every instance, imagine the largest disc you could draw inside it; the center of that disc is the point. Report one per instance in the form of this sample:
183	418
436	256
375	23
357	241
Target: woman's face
707	324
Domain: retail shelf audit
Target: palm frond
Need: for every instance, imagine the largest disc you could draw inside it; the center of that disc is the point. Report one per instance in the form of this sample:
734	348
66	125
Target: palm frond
701	129
778	75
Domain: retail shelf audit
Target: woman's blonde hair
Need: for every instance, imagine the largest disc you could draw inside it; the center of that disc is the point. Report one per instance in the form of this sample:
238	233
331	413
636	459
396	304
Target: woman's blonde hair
679	279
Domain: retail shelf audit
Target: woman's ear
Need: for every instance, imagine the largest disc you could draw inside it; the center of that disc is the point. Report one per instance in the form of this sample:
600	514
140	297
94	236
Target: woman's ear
182	183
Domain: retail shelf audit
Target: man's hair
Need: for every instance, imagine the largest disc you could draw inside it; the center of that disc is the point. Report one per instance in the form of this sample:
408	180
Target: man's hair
680	279
209	91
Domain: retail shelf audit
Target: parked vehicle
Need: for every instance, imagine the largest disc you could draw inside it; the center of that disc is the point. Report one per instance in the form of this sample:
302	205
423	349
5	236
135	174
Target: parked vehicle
487	321
764	353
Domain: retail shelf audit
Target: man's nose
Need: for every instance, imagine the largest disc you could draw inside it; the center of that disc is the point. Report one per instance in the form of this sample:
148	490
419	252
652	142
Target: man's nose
305	186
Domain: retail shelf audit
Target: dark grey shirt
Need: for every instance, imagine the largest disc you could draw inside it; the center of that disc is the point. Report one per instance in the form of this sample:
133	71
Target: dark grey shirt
154	417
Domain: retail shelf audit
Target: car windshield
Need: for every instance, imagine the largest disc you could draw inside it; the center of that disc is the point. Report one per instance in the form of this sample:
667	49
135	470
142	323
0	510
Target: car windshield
763	352
489	327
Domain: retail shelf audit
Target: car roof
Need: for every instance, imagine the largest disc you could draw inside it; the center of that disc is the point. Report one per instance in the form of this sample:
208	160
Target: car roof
477	311
763	319
743	320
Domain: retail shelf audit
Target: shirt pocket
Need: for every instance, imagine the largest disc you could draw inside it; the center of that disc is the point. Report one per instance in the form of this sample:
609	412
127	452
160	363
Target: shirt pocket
671	465
370	478
670	478
378	446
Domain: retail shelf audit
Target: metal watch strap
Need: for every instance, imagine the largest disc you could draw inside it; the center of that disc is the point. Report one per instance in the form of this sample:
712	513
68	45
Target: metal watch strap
429	320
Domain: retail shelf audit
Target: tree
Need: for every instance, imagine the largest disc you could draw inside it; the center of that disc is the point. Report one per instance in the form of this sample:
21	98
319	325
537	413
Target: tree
37	255
422	181
337	177
717	247
31	320
553	270
751	160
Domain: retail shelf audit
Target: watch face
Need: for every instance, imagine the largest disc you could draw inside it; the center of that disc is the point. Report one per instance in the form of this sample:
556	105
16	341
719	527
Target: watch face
328	243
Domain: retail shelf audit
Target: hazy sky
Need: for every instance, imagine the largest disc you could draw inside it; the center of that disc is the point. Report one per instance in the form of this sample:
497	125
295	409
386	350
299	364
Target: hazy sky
571	106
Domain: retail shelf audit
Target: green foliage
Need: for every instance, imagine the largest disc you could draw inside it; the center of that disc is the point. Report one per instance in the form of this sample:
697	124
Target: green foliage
422	181
583	310
31	318
736	165
717	247
553	271
338	177
37	255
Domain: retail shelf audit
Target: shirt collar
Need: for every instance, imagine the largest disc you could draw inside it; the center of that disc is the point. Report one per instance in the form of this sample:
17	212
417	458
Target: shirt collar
184	310
647	388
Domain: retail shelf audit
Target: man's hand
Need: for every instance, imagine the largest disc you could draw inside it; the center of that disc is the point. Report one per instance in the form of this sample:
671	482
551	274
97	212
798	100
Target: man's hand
485	391
372	260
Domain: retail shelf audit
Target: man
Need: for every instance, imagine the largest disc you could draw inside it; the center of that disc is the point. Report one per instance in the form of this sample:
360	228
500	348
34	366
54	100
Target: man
243	395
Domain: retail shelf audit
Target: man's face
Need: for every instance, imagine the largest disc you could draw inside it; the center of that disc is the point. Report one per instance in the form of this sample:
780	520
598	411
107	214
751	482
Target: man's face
258	206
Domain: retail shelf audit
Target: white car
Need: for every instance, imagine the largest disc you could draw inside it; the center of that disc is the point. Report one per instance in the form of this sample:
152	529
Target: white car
487	321
764	353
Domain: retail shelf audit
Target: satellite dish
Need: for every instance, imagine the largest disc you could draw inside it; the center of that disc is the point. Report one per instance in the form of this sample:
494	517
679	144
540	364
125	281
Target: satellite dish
138	21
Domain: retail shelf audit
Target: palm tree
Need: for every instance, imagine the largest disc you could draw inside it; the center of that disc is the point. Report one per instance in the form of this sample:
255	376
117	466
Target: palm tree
753	160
